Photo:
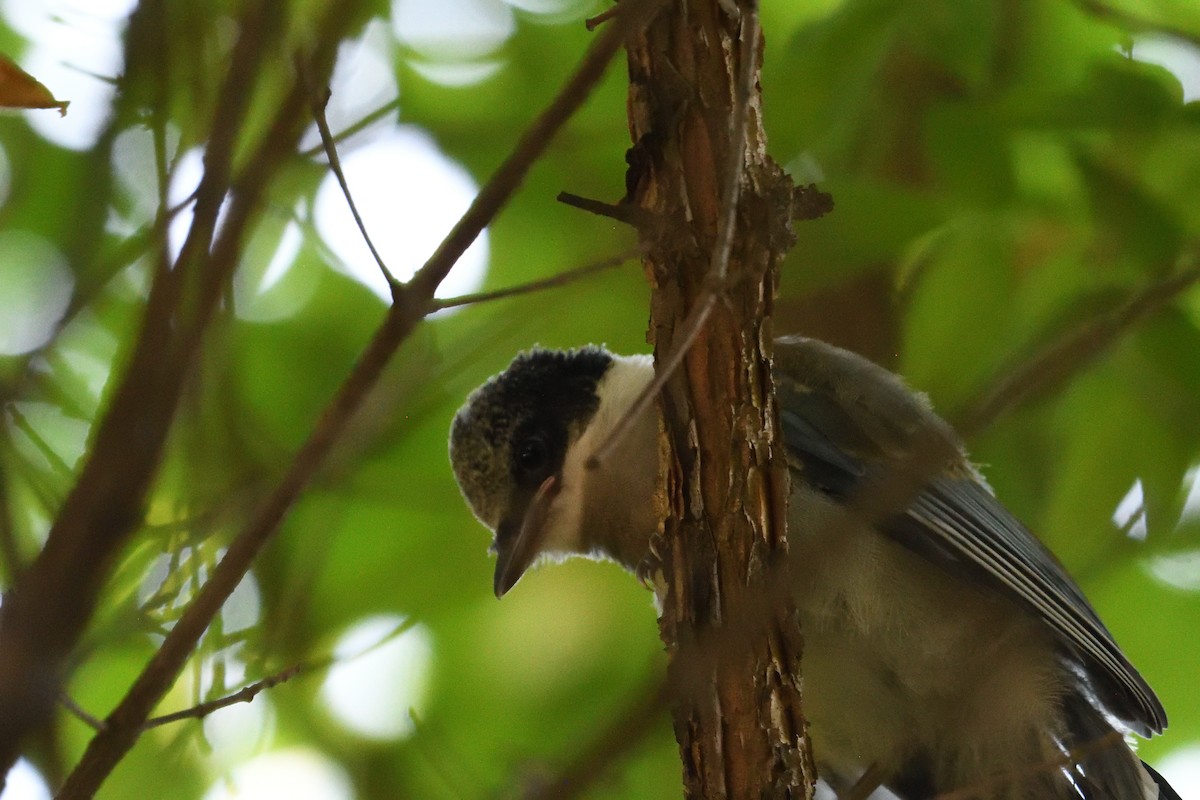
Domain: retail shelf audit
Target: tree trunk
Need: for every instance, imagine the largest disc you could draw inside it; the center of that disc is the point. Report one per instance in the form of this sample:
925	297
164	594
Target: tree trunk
734	646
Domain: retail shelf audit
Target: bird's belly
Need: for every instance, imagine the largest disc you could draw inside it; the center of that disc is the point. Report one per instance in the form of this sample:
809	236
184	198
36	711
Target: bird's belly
905	664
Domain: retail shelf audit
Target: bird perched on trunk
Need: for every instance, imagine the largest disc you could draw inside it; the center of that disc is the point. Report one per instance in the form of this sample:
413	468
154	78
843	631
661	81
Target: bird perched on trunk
945	648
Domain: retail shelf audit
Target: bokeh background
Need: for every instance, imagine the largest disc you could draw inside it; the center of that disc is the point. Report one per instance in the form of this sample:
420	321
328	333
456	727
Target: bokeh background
1006	173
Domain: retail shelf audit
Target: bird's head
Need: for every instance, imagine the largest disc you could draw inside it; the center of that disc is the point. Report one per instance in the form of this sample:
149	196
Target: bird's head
519	448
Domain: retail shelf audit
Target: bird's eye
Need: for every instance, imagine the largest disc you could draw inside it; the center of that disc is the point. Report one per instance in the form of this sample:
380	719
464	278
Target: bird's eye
532	456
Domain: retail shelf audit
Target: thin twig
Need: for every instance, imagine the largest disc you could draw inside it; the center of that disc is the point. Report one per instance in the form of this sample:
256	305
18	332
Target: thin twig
1063	358
247	693
628	214
365	122
633	15
93	722
244	695
690	330
718	271
160	116
867	783
1072	758
319	100
1133	23
21	423
735	164
554	281
591	23
614	741
108	747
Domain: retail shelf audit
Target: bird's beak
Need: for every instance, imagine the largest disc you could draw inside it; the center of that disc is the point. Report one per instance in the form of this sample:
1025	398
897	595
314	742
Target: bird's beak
516	549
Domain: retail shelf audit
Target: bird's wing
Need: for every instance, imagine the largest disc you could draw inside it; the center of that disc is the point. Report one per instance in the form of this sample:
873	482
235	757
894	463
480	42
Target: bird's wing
848	422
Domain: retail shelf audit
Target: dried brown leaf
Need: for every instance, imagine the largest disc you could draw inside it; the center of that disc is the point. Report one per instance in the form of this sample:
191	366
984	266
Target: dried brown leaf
19	89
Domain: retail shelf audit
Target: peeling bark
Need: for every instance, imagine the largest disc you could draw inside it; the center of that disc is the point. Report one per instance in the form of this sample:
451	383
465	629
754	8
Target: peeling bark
737	710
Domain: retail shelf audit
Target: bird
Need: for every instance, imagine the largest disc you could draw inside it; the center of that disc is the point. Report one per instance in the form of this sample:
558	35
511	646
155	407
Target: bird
945	648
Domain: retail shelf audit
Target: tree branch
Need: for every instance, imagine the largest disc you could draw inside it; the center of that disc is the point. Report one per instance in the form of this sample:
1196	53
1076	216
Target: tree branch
553	282
366	121
633	15
244	695
318	101
46	610
1054	364
412	303
1134	23
613	742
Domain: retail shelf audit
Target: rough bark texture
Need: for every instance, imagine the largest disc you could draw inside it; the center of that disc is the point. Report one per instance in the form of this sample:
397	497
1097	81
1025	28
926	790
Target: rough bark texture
737	712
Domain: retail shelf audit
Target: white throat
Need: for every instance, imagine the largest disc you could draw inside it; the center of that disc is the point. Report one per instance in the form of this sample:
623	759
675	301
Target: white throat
617	390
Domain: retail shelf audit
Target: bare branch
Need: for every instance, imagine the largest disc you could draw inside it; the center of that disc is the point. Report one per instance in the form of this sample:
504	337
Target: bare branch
318	101
124	723
244	695
628	214
1134	23
1072	758
614	741
1063	358
735	164
561	279
690	330
93	722
366	121
46	610
591	23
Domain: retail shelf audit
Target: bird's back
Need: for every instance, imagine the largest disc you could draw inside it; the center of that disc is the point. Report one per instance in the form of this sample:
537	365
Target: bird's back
945	647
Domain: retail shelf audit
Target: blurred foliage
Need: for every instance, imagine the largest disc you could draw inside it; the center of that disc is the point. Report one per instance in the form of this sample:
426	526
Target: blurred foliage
1003	172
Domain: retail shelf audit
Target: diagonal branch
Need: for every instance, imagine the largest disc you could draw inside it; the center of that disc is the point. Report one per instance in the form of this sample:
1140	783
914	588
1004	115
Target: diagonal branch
553	282
1132	23
243	695
532	143
1061	359
366	121
688	331
1069	759
614	741
319	100
413	301
46	610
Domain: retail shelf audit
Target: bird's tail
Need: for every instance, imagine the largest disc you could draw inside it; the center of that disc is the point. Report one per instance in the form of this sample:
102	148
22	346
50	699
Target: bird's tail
1165	791
1105	767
